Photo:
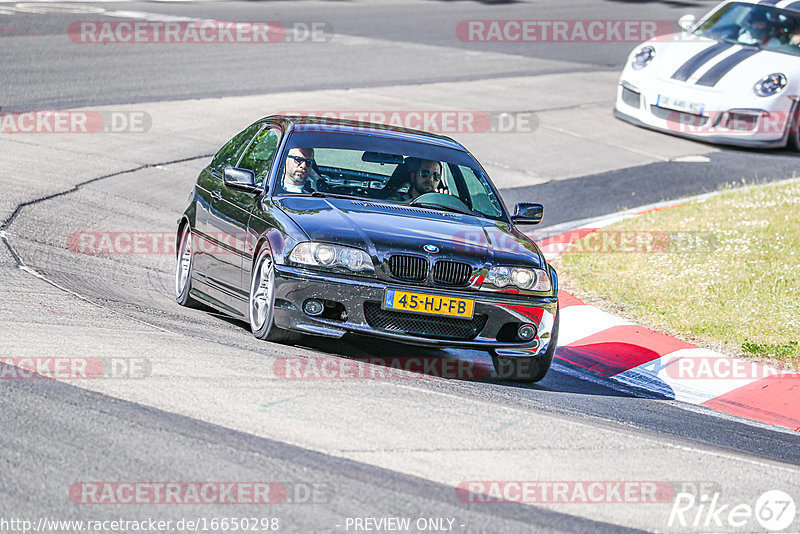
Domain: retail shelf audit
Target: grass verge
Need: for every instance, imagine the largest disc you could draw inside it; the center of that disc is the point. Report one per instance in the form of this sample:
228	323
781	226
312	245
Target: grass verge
723	272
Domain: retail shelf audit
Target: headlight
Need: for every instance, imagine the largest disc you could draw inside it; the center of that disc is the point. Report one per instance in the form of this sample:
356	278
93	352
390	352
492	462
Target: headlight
521	277
643	57
331	256
770	85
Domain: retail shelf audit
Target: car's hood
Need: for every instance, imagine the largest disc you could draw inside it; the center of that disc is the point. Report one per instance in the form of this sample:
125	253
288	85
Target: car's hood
711	65
382	228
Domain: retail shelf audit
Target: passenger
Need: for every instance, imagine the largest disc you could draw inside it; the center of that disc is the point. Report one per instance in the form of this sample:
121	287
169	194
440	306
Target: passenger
299	163
792	32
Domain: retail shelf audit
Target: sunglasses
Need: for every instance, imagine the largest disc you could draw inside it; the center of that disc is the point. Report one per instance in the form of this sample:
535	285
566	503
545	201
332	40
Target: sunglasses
300	161
425	174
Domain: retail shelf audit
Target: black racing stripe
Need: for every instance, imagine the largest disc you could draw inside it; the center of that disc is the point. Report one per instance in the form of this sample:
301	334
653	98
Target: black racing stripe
715	73
698	60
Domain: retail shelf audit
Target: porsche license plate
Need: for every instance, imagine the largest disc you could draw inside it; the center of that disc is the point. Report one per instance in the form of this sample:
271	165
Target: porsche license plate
428	304
679	104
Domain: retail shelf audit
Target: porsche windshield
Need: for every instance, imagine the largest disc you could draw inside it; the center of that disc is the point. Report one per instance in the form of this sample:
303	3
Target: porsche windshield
387	170
757	25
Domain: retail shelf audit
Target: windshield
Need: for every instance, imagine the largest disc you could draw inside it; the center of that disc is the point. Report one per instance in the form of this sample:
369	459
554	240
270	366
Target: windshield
386	170
761	26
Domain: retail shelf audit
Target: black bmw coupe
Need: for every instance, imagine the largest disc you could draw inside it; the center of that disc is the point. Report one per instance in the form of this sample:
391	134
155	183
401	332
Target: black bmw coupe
325	227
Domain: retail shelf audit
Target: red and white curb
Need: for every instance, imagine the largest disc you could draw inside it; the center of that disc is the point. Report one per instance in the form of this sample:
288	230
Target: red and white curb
606	345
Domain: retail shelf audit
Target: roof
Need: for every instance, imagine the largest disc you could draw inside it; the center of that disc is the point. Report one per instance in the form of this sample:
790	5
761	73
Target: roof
793	5
310	123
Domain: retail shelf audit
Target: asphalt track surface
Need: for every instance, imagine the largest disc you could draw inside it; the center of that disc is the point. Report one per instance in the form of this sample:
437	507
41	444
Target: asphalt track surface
212	409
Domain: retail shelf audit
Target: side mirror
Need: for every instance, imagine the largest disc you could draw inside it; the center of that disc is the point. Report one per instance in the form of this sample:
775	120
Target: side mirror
686	23
240	179
528	213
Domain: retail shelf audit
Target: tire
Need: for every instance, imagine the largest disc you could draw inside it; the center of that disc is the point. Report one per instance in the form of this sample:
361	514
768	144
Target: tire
794	131
528	370
183	269
262	302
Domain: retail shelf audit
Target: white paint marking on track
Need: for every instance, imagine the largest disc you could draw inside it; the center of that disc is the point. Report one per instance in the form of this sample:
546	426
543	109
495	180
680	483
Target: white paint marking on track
664	375
144	15
52	7
615	145
582	321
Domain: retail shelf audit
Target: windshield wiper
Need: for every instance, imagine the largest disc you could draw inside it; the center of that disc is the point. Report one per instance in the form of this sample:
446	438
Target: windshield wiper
446	208
320	194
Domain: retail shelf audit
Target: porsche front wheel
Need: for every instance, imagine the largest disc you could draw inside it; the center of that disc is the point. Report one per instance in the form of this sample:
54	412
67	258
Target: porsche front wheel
794	130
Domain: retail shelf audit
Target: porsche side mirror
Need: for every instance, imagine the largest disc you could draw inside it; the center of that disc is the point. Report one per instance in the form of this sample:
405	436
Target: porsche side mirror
528	213
240	179
686	23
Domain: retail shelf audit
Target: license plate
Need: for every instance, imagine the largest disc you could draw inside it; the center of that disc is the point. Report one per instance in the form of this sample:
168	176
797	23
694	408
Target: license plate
680	104
428	304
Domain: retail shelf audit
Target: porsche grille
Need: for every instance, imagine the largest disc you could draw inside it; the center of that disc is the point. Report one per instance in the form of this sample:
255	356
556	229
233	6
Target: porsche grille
679	117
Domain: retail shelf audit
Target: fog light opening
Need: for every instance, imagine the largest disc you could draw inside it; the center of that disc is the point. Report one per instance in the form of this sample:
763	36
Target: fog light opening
313	307
526	332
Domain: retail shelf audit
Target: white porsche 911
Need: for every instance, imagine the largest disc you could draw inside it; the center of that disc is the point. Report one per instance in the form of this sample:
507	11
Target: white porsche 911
731	78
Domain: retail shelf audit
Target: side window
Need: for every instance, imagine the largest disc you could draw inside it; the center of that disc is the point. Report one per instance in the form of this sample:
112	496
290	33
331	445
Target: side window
261	152
229	154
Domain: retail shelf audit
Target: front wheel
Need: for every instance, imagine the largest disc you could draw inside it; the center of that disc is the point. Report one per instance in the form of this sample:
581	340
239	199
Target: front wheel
262	302
794	130
183	269
529	370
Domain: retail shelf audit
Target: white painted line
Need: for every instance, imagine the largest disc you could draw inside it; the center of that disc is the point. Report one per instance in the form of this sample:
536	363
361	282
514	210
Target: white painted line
603	142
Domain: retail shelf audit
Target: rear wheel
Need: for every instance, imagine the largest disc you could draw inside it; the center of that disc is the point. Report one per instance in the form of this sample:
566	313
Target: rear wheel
521	369
262	301
183	269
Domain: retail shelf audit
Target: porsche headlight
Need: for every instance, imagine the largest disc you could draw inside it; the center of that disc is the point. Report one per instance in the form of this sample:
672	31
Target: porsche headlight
332	256
770	85
643	57
520	277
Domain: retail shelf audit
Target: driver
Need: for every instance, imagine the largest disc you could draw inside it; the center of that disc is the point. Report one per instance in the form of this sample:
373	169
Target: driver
298	169
759	30
424	176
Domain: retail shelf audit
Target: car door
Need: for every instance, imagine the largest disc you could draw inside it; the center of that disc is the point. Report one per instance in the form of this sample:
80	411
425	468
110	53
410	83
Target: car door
209	186
230	211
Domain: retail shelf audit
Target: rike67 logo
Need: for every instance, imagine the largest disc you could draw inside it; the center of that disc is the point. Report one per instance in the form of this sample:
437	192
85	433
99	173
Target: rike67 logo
774	510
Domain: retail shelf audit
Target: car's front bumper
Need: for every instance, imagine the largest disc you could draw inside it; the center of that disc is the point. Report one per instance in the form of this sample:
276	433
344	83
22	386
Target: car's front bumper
637	103
294	286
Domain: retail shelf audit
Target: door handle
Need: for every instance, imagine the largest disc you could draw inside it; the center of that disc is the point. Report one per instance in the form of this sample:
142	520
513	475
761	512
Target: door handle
216	195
